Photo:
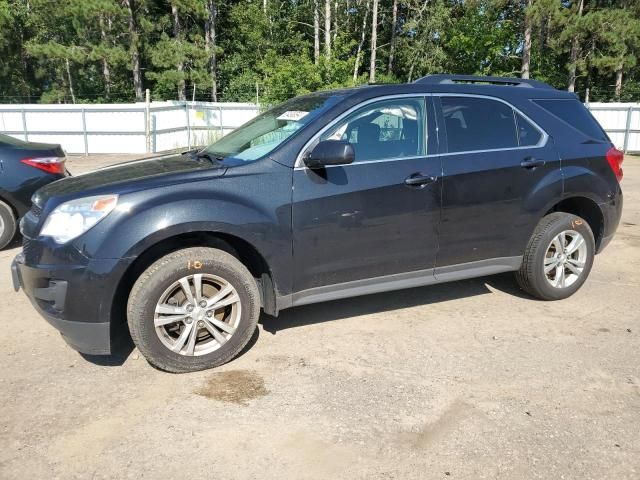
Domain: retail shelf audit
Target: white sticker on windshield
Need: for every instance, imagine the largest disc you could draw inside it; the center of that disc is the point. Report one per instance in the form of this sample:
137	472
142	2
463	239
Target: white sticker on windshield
293	115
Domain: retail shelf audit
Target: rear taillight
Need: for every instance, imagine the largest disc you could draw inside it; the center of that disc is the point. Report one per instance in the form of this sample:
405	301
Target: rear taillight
615	158
48	164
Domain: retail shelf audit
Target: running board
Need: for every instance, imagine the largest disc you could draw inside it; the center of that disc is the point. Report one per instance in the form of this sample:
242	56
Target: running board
401	281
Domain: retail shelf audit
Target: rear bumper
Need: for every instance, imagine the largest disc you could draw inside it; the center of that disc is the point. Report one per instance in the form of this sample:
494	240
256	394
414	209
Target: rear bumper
611	212
75	299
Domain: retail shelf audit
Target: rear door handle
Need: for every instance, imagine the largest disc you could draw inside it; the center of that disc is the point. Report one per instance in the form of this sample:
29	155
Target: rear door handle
531	163
419	179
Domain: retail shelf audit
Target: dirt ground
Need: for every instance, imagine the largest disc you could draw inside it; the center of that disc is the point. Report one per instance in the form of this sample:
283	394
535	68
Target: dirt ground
469	379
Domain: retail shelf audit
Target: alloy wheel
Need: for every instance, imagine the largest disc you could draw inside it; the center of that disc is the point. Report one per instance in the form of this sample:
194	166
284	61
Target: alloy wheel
565	259
197	314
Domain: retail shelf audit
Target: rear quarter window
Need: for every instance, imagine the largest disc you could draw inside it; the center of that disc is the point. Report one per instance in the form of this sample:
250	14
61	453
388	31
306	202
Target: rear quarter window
574	113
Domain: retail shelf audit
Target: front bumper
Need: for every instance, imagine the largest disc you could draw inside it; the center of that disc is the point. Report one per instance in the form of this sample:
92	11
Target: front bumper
75	299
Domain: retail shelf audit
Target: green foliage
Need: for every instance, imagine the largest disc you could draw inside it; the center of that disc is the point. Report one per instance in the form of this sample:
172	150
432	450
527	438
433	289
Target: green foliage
86	50
485	38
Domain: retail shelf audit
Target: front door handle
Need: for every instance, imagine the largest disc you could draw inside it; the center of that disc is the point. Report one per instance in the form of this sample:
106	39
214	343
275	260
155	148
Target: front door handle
531	163
419	179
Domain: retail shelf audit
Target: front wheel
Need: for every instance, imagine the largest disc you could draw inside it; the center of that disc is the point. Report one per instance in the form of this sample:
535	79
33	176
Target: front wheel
193	309
8	225
558	258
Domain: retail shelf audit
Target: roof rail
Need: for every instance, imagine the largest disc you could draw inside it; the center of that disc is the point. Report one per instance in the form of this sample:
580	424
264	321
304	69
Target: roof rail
513	81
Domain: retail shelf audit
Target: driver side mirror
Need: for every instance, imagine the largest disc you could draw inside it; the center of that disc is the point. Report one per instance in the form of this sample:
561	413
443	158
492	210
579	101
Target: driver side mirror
330	152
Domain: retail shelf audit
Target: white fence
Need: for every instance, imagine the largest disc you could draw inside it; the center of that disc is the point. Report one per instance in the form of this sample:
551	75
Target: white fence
621	121
161	126
124	128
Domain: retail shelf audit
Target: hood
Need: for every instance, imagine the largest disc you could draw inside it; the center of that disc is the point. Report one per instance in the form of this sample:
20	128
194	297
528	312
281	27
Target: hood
130	176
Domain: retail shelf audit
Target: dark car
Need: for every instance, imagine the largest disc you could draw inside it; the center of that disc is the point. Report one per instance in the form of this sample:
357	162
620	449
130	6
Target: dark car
329	195
24	168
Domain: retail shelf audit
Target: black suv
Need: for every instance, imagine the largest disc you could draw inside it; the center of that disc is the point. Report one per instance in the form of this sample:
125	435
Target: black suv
329	195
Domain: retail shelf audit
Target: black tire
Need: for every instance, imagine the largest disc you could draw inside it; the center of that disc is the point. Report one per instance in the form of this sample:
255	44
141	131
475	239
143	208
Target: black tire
8	225
531	276
149	287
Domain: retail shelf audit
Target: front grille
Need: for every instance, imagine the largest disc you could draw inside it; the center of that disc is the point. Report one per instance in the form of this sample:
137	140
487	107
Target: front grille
36	210
30	250
27	246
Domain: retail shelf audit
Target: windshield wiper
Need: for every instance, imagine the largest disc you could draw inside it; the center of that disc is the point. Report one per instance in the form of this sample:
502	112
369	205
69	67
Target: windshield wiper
197	154
212	158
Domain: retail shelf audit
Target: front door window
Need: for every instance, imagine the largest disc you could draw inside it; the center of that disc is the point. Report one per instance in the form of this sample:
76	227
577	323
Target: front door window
384	130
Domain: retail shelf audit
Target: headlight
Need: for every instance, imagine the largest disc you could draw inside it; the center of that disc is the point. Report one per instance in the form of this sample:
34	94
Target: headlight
71	219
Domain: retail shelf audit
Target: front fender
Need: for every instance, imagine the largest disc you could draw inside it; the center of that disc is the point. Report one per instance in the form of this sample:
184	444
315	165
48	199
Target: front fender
258	212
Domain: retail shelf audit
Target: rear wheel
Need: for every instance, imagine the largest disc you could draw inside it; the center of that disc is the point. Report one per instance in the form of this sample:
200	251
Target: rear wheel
8	225
558	258
193	309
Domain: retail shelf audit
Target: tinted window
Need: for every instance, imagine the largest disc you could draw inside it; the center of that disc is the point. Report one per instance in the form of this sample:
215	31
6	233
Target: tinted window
478	124
263	134
384	130
576	115
528	135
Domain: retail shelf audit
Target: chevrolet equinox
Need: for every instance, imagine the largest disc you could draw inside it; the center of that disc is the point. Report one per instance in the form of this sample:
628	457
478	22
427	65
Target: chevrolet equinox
329	195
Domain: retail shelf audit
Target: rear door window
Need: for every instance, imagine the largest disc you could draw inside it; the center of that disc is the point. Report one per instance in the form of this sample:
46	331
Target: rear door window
528	135
478	124
574	113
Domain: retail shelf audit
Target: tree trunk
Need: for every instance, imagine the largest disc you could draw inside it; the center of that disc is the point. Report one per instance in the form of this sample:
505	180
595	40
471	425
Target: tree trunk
69	80
133	50
106	71
592	49
327	28
316	32
363	34
180	65
526	49
374	42
573	55
26	73
335	21
394	25
618	81
210	45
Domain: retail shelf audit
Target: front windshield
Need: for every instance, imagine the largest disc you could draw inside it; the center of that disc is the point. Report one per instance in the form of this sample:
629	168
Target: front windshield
263	134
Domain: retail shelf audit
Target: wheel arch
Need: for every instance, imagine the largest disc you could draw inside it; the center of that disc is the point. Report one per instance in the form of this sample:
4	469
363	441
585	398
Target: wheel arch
585	208
244	251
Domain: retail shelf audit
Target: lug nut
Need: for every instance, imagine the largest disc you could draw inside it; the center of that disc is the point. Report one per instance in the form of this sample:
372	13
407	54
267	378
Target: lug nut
203	304
189	319
210	313
189	308
201	324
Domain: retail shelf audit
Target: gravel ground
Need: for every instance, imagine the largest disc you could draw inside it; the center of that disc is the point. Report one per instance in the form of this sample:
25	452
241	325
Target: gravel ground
469	379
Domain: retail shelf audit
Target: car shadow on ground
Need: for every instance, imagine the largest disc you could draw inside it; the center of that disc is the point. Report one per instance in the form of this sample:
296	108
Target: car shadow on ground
389	301
349	307
120	351
123	347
